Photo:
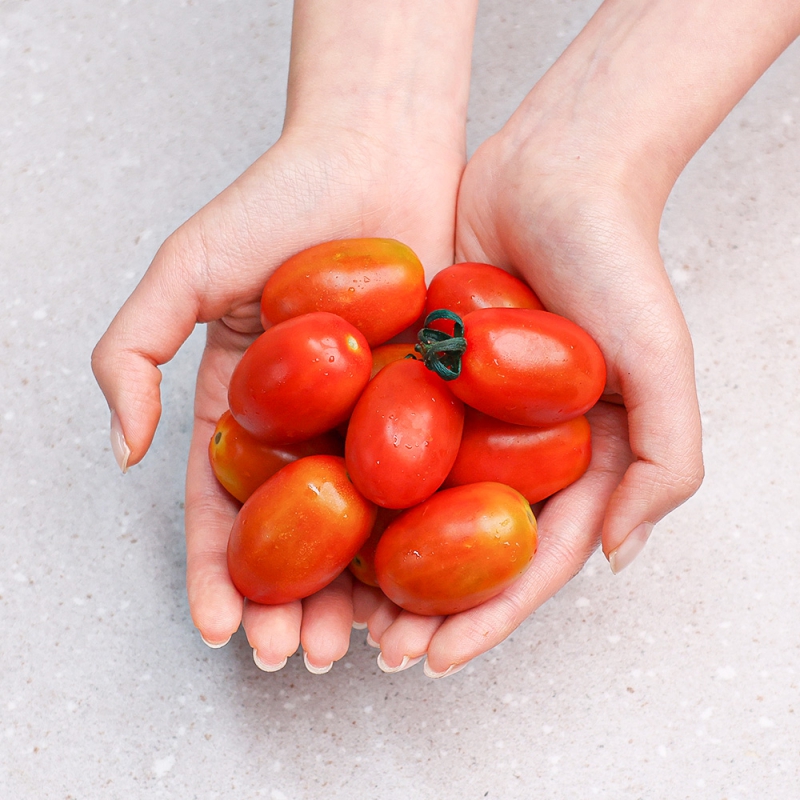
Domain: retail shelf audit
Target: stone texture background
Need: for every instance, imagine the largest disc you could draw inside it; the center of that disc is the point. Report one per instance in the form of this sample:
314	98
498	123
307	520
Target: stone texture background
678	678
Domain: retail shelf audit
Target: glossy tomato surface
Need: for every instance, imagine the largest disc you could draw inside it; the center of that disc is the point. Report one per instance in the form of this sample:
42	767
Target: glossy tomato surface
363	563
528	367
403	435
378	285
242	463
300	378
298	531
456	550
470	285
537	462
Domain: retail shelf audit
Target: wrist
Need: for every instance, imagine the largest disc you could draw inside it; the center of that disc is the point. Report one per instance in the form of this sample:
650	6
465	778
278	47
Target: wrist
384	68
643	86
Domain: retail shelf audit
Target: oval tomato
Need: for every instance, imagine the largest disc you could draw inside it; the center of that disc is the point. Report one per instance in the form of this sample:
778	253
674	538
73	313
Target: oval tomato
299	378
537	462
242	463
456	550
298	531
378	285
522	365
388	353
469	286
403	435
363	563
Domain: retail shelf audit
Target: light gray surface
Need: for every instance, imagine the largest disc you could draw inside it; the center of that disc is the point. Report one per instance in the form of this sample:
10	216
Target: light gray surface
677	678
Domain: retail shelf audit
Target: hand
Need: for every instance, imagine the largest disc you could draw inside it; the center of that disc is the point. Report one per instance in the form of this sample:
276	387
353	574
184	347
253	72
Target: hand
569	195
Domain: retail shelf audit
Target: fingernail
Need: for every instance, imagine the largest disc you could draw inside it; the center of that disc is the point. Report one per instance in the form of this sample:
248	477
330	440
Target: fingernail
359	626
634	543
316	670
371	642
451	670
119	447
264	667
215	645
406	663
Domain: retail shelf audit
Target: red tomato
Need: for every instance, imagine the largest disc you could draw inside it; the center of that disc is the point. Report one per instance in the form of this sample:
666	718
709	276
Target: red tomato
469	286
378	285
537	462
363	563
403	435
457	549
242	463
298	531
299	378
525	366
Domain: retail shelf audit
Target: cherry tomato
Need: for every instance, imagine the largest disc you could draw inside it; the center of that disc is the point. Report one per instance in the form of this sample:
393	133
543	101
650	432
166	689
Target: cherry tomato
242	463
469	286
523	366
299	378
403	435
537	462
298	531
363	563
378	285
387	353
456	550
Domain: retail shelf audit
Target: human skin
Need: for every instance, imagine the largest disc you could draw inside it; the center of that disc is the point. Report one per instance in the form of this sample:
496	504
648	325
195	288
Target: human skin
569	194
373	145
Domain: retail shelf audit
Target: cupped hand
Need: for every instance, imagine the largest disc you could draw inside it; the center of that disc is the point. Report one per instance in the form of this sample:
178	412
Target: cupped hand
587	243
308	188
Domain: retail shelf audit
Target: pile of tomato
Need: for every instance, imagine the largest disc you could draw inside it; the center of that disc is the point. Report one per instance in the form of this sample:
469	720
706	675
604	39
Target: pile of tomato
414	464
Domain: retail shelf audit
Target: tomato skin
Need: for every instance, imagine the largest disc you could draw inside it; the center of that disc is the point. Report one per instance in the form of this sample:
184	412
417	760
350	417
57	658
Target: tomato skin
363	563
403	435
388	353
470	285
378	285
456	550
528	367
242	463
537	462
298	531
299	378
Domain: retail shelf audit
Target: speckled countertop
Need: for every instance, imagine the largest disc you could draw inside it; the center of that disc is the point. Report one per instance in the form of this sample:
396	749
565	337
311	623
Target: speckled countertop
676	679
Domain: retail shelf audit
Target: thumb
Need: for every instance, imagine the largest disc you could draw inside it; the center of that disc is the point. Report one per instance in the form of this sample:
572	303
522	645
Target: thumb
147	332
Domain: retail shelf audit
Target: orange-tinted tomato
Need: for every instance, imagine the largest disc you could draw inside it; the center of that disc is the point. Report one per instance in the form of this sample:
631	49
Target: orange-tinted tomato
403	435
387	353
300	378
537	462
469	286
363	563
242	463
378	285
456	550
298	531
528	367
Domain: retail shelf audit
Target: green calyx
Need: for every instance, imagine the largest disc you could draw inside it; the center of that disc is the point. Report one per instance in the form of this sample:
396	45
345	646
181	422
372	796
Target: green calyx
440	351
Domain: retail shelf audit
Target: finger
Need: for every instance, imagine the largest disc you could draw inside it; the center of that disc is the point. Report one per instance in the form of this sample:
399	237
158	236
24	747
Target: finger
147	332
655	371
569	530
405	642
327	622
365	600
214	602
380	619
273	632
